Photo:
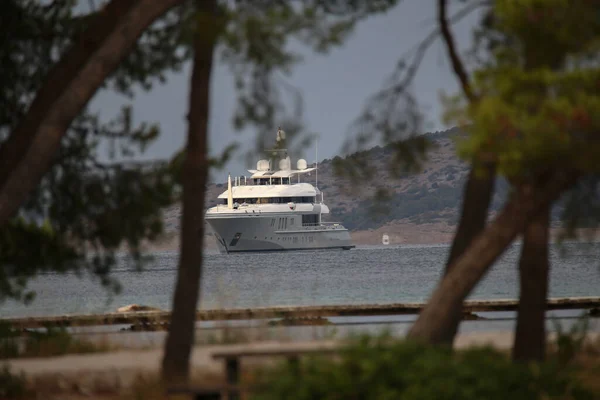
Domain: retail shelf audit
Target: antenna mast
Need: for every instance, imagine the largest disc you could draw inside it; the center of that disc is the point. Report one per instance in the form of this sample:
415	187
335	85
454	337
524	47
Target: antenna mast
317	162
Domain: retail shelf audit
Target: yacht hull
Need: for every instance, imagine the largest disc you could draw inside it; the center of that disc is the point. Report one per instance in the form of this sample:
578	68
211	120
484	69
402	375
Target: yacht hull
257	233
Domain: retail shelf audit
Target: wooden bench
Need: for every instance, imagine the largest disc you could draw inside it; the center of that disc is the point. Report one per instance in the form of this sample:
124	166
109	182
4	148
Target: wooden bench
292	351
232	356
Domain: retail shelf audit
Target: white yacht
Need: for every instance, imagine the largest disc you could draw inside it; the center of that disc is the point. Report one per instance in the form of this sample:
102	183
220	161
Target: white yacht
272	210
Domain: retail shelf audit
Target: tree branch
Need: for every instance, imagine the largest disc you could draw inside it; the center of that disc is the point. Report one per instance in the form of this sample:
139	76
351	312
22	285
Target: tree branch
58	79
409	62
51	122
457	64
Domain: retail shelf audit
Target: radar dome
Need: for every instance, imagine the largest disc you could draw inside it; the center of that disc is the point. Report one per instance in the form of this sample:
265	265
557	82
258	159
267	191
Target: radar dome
285	164
262	165
301	164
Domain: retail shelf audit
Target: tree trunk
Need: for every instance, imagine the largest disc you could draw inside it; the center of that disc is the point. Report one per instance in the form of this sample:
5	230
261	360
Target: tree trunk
478	189
530	333
60	113
437	317
476	202
176	360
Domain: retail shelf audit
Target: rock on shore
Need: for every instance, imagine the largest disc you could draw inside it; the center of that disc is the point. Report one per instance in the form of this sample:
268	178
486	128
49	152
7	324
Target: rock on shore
136	307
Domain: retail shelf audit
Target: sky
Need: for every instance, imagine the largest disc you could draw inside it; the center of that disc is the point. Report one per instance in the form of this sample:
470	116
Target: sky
334	86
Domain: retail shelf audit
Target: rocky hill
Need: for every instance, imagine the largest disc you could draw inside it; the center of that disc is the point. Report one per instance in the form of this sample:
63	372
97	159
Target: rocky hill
432	195
420	207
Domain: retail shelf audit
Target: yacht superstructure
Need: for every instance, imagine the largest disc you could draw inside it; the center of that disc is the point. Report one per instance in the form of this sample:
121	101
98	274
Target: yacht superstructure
272	210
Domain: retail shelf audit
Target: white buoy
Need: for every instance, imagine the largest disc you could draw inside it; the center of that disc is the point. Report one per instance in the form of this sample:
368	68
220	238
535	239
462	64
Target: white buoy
385	239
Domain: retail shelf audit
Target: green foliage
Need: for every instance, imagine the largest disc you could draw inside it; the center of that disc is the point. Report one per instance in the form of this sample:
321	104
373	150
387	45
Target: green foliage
164	47
538	107
49	343
32	33
384	368
82	203
20	265
89	209
536	74
570	343
56	342
12	386
9	347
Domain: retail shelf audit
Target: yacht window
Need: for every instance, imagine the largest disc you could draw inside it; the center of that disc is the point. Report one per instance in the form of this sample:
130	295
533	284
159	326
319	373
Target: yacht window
310	219
304	199
276	200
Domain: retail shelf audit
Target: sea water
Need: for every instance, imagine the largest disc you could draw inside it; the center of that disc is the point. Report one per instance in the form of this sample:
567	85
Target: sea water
365	275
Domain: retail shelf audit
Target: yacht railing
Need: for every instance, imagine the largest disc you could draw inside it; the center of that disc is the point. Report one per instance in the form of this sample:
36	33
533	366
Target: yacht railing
249	181
252	207
244	181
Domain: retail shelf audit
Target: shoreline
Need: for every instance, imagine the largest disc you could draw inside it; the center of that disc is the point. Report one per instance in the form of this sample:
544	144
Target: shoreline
400	234
143	314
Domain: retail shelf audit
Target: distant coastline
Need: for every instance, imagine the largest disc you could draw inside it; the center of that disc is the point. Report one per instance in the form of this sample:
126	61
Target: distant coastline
399	232
423	208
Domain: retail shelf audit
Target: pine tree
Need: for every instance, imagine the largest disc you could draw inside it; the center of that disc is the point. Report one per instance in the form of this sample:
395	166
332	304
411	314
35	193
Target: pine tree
535	119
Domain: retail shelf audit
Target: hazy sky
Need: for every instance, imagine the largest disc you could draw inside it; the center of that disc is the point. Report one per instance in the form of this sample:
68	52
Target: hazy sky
334	86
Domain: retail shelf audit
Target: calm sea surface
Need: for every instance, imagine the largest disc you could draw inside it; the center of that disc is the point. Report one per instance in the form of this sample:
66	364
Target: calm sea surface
363	275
